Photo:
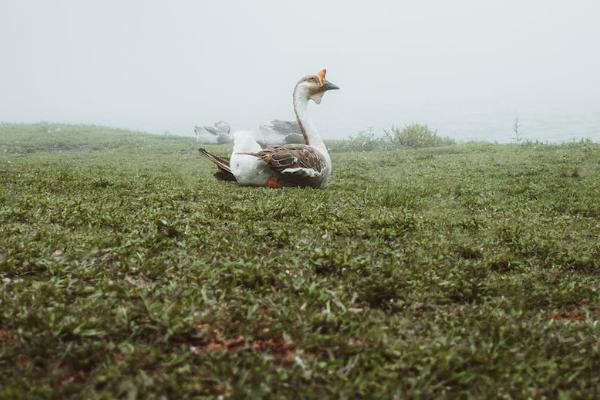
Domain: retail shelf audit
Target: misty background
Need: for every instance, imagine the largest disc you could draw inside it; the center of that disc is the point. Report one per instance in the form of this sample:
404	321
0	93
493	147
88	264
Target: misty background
466	68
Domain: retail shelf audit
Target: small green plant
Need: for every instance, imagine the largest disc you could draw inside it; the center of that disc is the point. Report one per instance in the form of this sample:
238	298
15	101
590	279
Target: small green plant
417	135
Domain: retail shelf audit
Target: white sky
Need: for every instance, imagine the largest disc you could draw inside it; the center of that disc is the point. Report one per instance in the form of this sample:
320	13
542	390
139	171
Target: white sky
465	67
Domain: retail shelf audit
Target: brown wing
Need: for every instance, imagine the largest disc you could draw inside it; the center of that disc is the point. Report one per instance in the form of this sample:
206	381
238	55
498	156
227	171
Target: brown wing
284	156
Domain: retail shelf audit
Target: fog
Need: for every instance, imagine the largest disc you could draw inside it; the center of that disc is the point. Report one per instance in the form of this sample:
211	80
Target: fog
466	68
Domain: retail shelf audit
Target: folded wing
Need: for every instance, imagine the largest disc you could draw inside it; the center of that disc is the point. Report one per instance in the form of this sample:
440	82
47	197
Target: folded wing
294	159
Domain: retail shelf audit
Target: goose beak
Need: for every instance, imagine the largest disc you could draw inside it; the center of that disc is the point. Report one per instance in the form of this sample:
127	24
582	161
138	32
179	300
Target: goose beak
330	86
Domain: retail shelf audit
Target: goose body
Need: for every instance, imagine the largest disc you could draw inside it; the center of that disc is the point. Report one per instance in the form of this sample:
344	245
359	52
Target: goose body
304	165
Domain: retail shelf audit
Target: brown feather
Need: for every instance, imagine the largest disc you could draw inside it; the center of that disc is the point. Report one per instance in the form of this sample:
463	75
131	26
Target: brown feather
280	157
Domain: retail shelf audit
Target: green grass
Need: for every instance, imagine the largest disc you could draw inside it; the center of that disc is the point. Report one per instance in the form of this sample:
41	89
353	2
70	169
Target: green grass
453	272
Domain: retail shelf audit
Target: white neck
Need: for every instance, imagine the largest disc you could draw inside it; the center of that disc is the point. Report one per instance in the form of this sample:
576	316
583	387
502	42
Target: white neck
311	136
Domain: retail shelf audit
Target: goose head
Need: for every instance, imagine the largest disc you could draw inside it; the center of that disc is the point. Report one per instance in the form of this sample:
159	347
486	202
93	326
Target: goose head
313	87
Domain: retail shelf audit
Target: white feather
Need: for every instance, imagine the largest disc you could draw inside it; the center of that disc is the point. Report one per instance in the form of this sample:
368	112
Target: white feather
248	170
302	171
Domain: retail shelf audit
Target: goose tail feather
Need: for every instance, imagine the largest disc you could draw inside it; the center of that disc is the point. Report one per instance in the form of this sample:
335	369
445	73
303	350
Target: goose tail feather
222	163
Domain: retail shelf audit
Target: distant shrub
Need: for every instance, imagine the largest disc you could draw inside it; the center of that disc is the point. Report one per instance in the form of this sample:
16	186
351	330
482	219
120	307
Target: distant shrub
417	135
581	143
363	141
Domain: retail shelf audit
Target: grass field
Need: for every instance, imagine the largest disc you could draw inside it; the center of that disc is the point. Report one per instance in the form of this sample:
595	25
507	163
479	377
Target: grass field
466	271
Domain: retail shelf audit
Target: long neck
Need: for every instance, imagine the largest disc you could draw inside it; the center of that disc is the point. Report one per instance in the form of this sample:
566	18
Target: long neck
311	136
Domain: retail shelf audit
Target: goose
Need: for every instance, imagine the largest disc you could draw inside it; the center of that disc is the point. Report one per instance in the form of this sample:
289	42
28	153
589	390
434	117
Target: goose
216	134
275	166
271	132
279	132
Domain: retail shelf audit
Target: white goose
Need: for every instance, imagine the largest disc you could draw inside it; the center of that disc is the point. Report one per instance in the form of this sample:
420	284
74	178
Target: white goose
276	166
280	132
216	134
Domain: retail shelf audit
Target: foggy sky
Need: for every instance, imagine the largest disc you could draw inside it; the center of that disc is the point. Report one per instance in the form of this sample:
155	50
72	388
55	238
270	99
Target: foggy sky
465	67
